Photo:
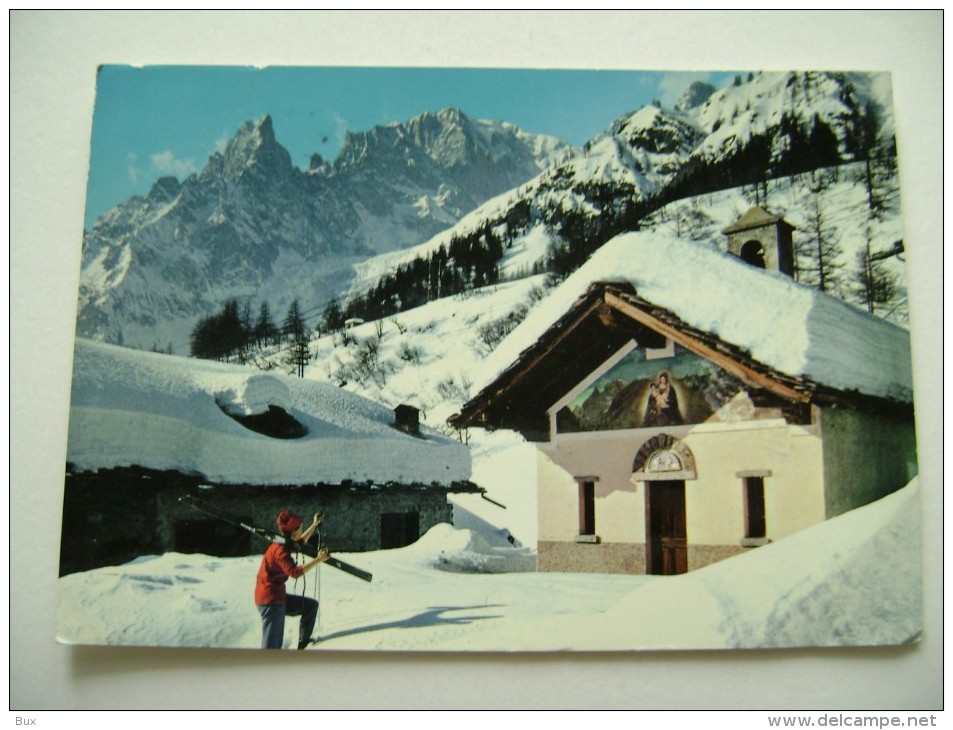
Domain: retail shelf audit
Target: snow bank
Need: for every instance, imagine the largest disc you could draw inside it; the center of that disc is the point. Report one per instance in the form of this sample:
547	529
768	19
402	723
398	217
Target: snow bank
789	327
853	580
165	412
504	464
467	551
167	600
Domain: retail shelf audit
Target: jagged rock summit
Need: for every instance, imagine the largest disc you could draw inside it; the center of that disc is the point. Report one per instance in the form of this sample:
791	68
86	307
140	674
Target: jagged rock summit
252	225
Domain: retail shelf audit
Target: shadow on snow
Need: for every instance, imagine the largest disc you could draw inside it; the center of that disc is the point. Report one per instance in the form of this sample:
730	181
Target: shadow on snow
431	617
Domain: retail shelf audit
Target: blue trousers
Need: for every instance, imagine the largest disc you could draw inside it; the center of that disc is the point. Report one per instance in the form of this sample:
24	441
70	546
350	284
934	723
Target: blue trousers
273	621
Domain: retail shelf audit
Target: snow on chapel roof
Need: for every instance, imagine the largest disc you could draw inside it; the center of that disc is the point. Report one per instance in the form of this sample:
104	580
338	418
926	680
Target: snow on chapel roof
794	330
165	412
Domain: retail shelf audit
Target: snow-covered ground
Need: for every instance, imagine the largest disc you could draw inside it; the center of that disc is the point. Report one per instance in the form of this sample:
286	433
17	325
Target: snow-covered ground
853	580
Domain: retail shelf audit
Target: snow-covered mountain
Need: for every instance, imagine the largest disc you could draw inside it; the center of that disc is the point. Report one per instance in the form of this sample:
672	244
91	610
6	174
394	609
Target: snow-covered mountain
243	228
250	224
652	147
757	133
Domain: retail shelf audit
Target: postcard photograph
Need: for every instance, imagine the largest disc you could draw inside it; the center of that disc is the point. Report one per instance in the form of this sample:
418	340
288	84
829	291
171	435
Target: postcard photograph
491	360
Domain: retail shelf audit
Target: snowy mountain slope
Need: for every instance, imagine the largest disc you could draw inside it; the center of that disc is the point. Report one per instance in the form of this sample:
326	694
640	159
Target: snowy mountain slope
652	145
648	160
426	356
250	224
835	195
734	114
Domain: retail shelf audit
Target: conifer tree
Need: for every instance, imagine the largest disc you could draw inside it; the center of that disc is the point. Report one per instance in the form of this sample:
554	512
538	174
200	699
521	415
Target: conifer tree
294	326
819	254
875	285
866	140
219	336
265	331
298	336
333	318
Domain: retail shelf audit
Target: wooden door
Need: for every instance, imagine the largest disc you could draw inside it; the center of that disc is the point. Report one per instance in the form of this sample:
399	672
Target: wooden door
666	541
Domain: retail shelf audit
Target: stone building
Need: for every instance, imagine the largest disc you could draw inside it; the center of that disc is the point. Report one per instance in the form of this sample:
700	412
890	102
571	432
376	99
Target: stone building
147	430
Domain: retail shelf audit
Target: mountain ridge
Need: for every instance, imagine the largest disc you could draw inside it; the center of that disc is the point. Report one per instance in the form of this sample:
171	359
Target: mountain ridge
249	217
328	242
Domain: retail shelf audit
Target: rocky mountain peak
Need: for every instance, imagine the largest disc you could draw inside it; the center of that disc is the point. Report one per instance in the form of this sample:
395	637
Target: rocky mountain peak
254	146
165	189
446	136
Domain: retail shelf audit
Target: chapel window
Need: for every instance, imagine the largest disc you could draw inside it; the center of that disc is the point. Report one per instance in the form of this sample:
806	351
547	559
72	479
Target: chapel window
587	509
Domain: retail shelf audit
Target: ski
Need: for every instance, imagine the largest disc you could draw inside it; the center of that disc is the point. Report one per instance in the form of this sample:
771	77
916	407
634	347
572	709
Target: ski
347	568
274	536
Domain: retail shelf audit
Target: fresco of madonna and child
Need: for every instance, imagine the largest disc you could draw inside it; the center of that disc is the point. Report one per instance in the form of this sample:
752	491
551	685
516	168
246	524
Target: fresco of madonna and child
639	393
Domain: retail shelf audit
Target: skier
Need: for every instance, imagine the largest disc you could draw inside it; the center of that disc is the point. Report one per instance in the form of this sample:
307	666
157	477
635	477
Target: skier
271	598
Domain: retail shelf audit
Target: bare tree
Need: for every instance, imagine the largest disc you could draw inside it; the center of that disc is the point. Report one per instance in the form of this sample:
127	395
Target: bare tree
299	355
875	284
819	254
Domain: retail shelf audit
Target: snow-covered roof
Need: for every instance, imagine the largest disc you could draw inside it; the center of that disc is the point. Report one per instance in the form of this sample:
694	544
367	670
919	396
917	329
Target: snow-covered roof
756	217
795	330
165	412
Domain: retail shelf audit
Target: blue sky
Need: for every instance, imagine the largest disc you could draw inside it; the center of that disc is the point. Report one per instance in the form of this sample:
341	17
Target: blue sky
166	120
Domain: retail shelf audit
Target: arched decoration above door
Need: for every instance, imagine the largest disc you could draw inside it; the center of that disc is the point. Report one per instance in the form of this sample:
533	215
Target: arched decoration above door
663	457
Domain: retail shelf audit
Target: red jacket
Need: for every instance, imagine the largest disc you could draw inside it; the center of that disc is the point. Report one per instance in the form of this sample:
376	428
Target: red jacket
277	566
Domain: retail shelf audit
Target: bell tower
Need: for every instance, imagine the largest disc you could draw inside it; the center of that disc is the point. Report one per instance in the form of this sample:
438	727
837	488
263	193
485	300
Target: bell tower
762	240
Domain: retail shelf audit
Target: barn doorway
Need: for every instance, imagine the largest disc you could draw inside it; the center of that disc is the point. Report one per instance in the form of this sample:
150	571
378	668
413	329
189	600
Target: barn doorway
666	538
399	529
212	537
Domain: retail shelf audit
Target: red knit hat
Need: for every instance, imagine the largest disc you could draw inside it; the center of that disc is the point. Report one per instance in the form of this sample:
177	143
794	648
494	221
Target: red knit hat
288	521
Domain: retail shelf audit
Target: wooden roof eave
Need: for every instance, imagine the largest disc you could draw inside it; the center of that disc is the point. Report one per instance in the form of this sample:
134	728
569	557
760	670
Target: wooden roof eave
622	298
474	411
732	359
601	300
792	388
